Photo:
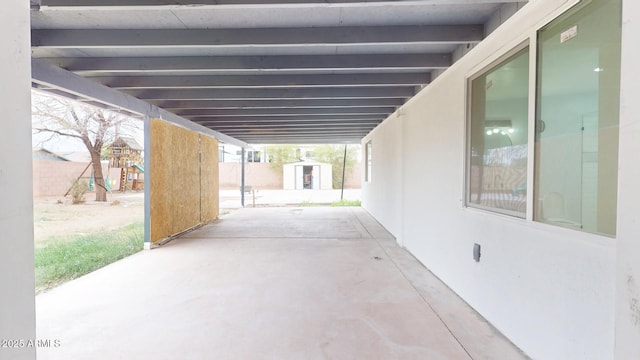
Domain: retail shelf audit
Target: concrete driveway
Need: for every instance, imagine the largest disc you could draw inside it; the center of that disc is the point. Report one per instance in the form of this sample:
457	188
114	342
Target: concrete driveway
267	283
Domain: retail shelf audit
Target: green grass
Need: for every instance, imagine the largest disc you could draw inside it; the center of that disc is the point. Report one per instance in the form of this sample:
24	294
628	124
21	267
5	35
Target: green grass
68	257
309	204
343	202
346	202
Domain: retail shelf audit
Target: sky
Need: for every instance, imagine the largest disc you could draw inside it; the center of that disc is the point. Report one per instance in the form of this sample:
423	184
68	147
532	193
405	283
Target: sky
62	144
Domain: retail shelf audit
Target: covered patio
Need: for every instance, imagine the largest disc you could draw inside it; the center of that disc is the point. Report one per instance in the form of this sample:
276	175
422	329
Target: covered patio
407	80
268	283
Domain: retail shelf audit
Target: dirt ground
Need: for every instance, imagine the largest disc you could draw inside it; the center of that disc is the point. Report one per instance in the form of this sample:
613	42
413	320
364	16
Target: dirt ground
52	218
58	219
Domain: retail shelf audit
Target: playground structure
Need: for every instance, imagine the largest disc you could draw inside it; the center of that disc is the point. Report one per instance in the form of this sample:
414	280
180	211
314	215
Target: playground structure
125	153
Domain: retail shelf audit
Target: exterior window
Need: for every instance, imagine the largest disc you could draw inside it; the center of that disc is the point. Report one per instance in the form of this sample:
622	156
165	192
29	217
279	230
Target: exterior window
221	153
577	115
497	136
367	151
253	156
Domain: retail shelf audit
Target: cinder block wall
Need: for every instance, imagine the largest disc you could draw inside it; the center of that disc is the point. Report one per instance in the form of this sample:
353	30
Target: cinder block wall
53	178
353	180
262	176
257	175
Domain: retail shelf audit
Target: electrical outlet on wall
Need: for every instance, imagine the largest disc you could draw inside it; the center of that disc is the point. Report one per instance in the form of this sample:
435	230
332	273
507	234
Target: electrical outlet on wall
476	252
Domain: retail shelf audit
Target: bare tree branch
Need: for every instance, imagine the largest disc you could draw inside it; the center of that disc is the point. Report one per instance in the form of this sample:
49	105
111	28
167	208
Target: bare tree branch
58	132
93	126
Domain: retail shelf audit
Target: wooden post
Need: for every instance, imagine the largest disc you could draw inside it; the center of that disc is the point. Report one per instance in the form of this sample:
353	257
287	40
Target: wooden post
78	178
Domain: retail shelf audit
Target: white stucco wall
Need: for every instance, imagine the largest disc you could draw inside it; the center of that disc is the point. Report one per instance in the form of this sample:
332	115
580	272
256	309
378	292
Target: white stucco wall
551	290
387	154
17	304
627	335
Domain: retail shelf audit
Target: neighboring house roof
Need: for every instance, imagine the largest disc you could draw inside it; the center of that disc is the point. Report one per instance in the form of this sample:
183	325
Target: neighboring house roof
44	154
77	156
128	141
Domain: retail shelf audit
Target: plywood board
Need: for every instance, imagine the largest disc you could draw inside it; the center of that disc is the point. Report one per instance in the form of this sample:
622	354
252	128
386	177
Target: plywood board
159	171
184	179
210	179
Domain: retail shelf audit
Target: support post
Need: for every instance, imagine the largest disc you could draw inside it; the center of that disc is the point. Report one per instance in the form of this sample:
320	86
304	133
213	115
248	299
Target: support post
17	294
147	183
242	179
78	178
344	168
627	261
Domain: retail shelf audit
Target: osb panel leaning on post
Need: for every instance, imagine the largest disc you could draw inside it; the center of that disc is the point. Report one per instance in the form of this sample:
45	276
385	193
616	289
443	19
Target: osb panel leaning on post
184	179
160	168
210	178
178	197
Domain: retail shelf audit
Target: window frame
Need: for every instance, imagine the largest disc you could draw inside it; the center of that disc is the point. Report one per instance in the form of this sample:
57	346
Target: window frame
499	60
532	41
536	213
368	161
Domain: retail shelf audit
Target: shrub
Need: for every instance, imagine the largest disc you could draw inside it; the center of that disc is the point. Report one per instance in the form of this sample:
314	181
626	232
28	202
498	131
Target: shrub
78	190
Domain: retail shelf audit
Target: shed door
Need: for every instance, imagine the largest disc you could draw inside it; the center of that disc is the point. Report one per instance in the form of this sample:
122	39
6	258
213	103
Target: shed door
316	177
299	177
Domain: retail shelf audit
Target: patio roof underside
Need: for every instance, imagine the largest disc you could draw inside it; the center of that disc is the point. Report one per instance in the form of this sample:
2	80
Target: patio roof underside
259	71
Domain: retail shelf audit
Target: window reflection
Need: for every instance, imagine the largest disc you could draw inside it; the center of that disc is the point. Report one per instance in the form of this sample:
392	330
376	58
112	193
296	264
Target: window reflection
497	172
577	118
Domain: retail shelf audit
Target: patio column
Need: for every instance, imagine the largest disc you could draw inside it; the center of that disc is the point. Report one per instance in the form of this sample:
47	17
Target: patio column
627	327
17	294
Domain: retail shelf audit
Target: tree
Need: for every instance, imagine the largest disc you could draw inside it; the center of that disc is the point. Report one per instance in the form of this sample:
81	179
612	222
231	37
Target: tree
278	155
334	155
94	127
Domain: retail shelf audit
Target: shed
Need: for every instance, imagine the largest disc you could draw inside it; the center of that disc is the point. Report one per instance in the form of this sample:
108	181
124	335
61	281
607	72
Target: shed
307	175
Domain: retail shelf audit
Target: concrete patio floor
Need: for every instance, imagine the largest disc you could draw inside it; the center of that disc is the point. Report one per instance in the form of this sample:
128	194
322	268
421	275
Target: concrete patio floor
268	283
